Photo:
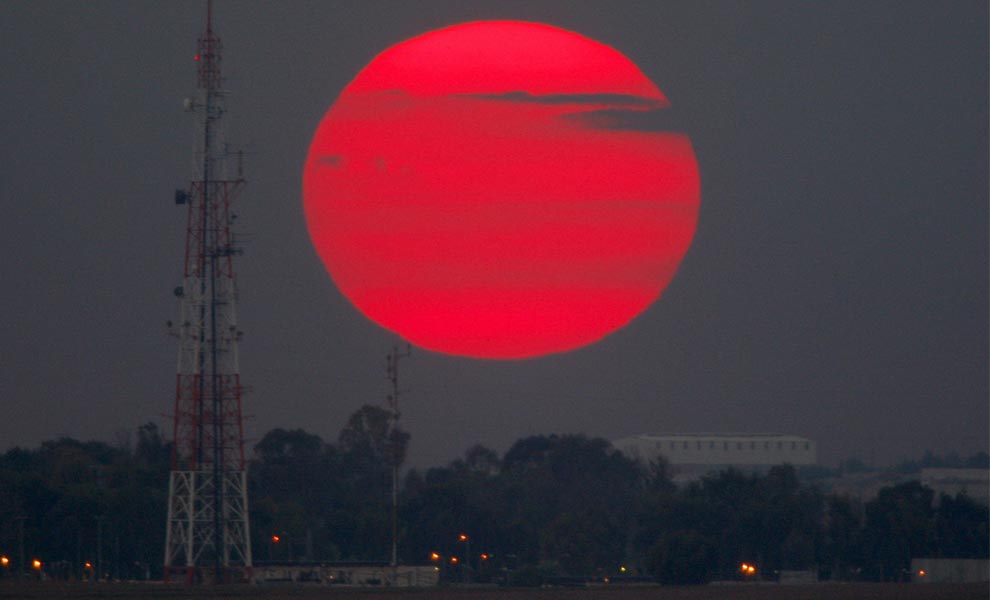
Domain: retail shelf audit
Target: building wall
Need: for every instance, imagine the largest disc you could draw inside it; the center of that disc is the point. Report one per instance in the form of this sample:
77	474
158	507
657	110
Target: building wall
975	483
714	449
346	575
950	570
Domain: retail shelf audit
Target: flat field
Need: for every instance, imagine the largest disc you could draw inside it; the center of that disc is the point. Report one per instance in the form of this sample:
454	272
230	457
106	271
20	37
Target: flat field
823	591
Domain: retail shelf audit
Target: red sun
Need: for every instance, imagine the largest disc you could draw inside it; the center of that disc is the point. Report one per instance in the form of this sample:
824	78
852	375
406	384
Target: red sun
501	190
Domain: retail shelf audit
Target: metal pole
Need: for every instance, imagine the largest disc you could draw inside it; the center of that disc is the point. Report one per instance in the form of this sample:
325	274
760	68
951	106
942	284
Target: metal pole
99	547
392	370
20	538
466	567
395	513
79	563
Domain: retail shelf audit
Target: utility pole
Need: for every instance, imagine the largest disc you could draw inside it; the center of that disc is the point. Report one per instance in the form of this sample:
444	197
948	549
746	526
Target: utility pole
80	569
20	542
99	547
392	370
466	570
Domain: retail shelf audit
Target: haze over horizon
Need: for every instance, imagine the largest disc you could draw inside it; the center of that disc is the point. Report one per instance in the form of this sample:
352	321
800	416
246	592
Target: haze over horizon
837	286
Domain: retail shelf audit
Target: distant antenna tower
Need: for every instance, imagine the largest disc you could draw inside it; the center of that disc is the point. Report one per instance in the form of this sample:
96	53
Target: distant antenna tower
208	535
392	370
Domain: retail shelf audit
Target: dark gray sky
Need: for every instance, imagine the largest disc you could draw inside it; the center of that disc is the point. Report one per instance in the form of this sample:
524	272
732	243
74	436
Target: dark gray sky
837	286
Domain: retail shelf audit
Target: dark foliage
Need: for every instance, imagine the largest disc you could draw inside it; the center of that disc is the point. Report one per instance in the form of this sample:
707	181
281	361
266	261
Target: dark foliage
553	508
683	558
87	501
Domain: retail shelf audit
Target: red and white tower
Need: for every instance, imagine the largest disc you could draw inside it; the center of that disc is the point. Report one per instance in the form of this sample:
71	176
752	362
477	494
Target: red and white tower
208	535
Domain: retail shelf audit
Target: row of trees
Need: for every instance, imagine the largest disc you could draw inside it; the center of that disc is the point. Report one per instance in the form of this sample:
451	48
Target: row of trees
86	509
561	505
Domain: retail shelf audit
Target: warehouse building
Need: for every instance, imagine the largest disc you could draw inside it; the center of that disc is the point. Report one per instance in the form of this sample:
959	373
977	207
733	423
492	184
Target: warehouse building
702	452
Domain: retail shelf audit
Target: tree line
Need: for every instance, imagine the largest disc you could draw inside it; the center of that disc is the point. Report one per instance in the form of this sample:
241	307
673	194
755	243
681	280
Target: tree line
552	506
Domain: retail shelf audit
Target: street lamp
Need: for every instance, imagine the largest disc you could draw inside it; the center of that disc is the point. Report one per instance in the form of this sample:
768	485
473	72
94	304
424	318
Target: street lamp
439	567
99	545
467	555
20	542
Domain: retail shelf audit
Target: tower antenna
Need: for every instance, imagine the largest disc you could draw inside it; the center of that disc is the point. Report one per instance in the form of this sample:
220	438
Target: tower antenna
392	371
208	534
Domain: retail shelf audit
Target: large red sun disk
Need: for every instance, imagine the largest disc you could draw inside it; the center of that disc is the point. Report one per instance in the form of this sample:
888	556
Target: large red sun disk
468	191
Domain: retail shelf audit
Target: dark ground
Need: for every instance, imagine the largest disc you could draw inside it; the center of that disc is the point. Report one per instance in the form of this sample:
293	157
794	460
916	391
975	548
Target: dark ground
839	591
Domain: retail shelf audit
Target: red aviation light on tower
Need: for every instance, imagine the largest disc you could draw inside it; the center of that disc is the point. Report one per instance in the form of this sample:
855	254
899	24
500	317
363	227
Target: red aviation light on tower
501	189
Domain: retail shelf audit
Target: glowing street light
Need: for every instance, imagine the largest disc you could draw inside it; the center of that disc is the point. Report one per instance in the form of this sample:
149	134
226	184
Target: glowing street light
275	541
463	538
36	564
434	556
4	561
747	570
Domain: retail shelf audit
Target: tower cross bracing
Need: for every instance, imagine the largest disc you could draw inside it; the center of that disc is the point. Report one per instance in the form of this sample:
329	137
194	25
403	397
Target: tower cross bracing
208	533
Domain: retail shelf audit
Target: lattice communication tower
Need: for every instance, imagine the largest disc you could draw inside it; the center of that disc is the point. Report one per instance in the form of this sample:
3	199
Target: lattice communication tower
208	534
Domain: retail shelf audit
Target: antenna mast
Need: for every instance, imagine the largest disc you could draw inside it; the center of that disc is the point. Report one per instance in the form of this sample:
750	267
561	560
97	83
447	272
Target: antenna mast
392	370
208	535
